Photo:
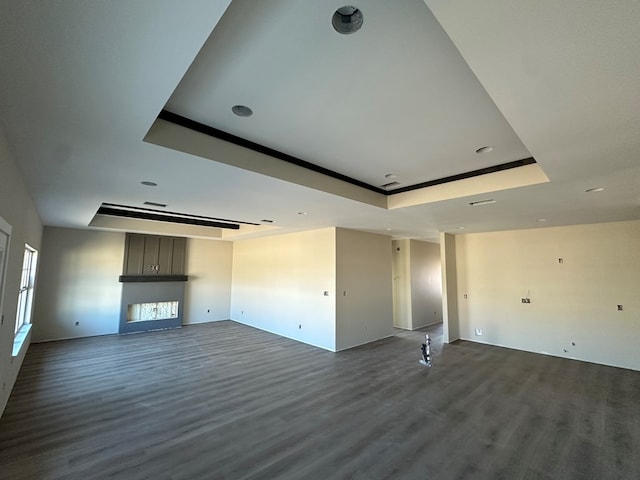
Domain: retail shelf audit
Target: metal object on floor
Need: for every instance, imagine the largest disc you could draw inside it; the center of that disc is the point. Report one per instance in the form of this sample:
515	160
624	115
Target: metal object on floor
426	351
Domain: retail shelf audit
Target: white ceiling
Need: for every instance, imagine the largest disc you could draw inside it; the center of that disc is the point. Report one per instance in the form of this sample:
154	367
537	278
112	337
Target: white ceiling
81	84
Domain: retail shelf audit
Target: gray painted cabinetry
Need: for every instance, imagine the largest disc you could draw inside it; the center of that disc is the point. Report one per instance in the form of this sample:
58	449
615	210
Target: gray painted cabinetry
154	255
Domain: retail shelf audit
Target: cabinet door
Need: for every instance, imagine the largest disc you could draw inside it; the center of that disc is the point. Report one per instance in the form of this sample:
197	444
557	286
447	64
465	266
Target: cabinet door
165	256
179	249
134	255
151	252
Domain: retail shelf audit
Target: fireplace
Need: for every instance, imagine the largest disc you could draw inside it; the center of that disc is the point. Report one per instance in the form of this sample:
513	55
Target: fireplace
153	283
151	306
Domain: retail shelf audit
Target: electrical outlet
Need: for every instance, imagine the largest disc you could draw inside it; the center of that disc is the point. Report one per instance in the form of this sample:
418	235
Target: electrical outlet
478	332
326	293
300	327
208	310
526	300
77	323
619	308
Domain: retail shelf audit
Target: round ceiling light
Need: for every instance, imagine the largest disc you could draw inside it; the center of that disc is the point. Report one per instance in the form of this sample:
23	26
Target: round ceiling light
147	183
486	149
347	20
242	110
597	189
391	176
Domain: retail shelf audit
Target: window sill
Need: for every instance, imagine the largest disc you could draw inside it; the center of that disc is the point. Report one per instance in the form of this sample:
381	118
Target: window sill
20	339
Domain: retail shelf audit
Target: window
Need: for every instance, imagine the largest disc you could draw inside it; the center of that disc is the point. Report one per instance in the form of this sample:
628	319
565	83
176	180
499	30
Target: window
27	281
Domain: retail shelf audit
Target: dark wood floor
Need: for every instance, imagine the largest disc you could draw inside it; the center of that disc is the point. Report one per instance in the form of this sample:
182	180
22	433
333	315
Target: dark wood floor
225	401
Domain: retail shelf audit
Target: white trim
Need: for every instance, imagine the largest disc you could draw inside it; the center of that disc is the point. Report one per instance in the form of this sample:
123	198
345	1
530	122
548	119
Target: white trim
20	339
6	229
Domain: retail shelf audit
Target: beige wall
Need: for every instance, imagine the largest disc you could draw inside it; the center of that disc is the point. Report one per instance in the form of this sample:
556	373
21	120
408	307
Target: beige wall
573	310
208	291
401	275
450	294
417	284
364	305
78	281
79	274
18	210
279	282
426	284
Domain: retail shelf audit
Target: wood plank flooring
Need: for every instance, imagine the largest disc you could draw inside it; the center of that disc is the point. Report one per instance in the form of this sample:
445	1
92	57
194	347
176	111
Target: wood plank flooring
225	401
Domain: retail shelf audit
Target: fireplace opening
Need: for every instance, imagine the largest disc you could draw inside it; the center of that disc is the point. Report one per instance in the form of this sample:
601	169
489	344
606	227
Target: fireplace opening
144	312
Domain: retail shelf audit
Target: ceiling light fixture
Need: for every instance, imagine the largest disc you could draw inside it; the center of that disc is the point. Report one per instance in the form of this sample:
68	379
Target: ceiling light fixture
596	189
147	183
391	176
266	220
302	213
460	228
542	219
482	202
347	20
242	110
486	149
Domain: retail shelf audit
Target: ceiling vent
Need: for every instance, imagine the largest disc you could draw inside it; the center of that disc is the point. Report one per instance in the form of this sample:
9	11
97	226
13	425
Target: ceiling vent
347	20
242	110
482	202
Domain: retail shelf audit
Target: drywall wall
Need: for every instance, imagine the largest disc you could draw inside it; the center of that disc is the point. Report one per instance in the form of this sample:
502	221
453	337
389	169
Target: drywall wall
451	327
364	303
279	285
574	276
79	294
426	284
417	284
401	276
80	271
19	211
208	291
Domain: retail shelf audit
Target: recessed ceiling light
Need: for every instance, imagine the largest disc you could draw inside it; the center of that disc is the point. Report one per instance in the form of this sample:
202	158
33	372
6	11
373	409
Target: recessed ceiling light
596	189
147	183
302	213
266	220
460	228
542	219
486	149
388	229
155	204
391	176
347	20
242	110
482	202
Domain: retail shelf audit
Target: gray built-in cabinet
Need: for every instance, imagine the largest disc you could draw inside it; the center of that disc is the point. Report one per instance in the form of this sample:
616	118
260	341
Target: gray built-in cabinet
151	255
153	273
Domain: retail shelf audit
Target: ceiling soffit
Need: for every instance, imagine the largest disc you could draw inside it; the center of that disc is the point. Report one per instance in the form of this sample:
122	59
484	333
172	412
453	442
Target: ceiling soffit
361	108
